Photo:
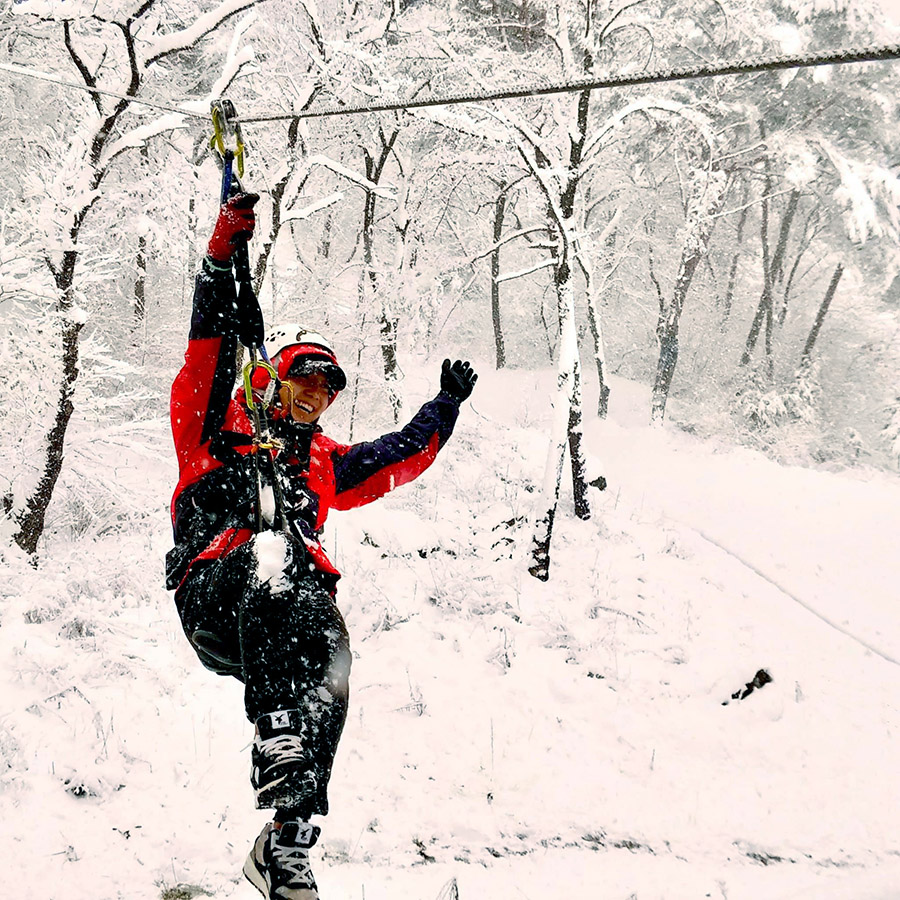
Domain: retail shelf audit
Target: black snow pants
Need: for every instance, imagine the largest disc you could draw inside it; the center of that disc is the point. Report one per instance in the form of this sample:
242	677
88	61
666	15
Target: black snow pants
284	637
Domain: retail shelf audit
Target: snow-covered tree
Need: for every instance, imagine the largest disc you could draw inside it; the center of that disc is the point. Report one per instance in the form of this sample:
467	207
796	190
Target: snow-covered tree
118	48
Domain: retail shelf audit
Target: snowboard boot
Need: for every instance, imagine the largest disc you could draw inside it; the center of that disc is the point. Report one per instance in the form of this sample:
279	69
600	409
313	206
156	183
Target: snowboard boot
282	774
278	864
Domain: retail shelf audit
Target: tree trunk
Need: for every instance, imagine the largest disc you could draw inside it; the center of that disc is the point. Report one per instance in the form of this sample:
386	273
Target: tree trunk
566	302
140	286
566	417
360	343
696	246
704	203
786	294
140	271
820	315
773	271
806	239
667	331
595	321
262	261
540	542
387	320
325	242
599	356
30	521
576	446
499	209
728	299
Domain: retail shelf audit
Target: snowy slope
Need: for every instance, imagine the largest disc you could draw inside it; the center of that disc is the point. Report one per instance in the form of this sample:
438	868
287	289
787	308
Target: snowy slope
506	738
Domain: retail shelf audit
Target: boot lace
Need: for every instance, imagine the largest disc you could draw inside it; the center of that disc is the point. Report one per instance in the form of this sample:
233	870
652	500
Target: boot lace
293	863
283	749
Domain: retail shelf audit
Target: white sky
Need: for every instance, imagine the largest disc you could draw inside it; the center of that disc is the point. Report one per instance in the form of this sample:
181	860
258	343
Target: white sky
892	8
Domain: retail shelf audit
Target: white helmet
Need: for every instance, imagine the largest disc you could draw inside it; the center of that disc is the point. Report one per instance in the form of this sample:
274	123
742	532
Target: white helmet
295	350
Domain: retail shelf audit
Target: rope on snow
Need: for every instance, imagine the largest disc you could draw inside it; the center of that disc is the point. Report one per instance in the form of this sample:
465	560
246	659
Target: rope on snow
807	606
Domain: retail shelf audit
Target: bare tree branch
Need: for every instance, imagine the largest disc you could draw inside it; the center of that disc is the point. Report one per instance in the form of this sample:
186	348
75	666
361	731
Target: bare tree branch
89	79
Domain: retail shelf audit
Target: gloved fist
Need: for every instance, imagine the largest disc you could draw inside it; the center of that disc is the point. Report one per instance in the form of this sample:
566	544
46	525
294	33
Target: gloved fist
235	223
457	380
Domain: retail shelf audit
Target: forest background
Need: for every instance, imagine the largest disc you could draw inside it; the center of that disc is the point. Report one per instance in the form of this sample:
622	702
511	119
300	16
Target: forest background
732	242
712	265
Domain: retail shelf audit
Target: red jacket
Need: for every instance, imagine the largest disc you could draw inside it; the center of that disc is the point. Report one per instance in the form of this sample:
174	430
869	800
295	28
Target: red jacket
216	501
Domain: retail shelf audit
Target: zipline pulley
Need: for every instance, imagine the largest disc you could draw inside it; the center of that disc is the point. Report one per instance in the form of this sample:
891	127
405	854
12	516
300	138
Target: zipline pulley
228	141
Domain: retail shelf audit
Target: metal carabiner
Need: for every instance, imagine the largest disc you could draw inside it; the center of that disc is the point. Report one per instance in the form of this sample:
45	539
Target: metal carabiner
228	141
226	128
266	400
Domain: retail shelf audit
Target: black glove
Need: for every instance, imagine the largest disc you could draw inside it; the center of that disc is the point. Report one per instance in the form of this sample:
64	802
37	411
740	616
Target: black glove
457	380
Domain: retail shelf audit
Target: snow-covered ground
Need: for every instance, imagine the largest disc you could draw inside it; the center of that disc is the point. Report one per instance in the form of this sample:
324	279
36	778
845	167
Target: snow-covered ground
507	738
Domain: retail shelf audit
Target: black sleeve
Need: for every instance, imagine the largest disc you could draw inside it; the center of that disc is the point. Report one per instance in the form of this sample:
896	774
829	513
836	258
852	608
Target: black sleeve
368	470
215	310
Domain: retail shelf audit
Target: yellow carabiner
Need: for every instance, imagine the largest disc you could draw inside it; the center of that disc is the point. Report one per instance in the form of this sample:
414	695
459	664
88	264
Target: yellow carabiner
224	126
248	380
217	140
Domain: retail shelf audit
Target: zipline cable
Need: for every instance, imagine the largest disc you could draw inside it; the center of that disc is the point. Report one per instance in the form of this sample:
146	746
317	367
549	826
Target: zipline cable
661	76
44	76
876	54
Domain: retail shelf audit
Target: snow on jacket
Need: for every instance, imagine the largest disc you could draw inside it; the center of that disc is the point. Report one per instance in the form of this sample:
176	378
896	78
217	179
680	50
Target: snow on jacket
214	507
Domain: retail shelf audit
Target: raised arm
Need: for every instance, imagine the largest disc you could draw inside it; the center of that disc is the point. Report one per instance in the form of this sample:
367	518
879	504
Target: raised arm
201	392
366	471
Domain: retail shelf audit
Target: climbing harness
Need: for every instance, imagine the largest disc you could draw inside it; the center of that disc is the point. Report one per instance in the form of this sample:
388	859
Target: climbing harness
228	143
265	442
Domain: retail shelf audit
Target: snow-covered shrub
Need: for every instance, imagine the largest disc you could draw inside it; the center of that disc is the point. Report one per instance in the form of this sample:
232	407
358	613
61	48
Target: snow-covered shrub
768	406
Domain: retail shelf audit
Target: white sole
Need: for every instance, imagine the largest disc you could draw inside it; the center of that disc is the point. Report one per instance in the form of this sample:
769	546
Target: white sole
254	876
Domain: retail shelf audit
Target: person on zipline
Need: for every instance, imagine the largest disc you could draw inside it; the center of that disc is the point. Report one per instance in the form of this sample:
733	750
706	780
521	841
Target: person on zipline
253	586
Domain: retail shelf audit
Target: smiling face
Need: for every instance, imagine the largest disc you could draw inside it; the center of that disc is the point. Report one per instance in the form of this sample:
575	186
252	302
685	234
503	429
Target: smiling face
306	396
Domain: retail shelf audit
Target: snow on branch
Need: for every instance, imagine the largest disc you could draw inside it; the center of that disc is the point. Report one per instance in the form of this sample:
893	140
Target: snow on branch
509	276
54	10
506	239
232	67
386	193
862	186
647	105
137	137
304	213
236	58
188	37
462	124
610	227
